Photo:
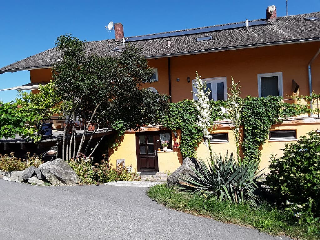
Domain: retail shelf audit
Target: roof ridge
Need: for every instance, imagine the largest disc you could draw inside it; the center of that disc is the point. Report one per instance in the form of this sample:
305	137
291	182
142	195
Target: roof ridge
217	25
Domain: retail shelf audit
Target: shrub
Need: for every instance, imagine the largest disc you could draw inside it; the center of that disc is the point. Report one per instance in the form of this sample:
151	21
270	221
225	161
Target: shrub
295	177
102	172
225	178
11	163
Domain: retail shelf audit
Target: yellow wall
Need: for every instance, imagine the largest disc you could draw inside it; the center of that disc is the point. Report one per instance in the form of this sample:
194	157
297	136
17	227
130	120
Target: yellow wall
275	147
243	65
218	148
169	161
126	150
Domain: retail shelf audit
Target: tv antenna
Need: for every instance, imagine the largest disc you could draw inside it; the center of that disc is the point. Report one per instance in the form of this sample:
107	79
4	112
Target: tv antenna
110	26
287	7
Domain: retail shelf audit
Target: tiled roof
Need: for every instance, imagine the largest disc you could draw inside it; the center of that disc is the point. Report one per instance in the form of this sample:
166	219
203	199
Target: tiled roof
284	30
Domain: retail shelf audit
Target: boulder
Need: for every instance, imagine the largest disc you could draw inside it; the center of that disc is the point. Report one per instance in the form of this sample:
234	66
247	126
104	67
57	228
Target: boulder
15	176
35	181
58	173
39	174
28	173
184	171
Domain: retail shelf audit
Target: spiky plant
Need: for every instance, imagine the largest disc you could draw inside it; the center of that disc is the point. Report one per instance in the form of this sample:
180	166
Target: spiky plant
225	178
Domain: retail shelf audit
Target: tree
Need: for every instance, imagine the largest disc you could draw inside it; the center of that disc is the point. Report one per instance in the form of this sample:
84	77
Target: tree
25	115
106	91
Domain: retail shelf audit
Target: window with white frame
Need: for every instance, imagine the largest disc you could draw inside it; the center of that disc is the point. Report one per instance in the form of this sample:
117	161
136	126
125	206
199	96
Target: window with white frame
270	84
217	87
154	77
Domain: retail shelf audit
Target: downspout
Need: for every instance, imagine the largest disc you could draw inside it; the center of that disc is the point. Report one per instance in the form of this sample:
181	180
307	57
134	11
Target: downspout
310	74
169	77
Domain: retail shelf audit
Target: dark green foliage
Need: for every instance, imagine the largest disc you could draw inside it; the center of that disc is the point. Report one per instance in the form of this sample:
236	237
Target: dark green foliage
225	178
295	177
106	91
263	217
257	117
184	116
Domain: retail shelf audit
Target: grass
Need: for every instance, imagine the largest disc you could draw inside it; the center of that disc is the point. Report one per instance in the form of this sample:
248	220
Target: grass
264	217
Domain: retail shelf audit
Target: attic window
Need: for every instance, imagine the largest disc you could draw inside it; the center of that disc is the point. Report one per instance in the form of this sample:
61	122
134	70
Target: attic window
219	137
200	39
283	135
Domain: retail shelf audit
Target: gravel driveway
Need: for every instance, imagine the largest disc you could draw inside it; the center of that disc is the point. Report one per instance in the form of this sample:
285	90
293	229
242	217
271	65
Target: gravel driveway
102	212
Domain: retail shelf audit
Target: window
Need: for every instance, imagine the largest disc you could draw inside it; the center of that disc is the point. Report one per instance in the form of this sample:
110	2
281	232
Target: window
154	77
165	137
217	86
270	84
219	137
283	135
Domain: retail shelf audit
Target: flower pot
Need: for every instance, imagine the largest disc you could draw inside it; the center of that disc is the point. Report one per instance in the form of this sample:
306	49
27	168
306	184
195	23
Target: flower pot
165	149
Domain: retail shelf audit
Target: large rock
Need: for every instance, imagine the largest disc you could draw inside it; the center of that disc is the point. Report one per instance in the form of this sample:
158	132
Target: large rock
58	173
14	176
39	175
184	171
28	173
35	181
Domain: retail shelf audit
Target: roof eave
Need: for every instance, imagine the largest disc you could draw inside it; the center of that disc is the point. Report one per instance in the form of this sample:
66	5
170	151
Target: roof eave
259	45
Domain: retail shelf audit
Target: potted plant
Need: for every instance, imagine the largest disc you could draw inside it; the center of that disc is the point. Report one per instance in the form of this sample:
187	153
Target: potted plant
165	145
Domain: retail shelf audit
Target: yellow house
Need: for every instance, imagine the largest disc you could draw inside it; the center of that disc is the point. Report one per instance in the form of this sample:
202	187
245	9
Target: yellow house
271	56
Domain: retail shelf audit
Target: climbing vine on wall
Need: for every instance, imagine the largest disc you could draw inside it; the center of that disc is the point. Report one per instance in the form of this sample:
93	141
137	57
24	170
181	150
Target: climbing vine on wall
184	116
257	117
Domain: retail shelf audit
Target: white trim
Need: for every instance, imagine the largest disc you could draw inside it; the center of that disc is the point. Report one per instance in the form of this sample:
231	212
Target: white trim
280	81
213	87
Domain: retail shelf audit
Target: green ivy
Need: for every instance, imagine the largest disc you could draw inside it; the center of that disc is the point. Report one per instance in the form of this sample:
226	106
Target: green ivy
257	117
184	116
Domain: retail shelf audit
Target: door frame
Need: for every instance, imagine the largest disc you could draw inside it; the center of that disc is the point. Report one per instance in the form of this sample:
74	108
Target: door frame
156	137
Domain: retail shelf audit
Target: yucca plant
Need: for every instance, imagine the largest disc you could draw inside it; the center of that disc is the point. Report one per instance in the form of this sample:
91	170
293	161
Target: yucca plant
225	178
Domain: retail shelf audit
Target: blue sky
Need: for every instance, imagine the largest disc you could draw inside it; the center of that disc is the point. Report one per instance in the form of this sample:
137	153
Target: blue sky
32	26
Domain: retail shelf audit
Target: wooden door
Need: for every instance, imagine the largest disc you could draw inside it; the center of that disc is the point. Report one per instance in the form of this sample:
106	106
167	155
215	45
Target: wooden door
147	145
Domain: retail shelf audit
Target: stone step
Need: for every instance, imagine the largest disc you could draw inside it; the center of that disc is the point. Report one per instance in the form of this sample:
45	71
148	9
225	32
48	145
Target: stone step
153	176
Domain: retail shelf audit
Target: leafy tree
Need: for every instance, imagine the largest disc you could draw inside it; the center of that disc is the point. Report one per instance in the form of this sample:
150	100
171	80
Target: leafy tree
25	115
106	91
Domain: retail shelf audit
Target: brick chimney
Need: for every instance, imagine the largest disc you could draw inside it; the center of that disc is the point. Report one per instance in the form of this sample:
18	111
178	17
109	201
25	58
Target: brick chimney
118	29
271	13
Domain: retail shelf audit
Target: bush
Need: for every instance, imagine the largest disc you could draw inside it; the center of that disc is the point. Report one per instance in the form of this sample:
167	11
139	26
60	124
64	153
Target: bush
102	172
295	177
11	163
225	178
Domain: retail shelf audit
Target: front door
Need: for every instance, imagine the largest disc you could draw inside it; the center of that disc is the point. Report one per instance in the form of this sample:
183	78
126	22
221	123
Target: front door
147	145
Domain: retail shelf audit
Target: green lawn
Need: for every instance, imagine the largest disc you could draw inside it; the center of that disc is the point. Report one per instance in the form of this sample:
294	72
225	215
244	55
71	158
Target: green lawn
263	217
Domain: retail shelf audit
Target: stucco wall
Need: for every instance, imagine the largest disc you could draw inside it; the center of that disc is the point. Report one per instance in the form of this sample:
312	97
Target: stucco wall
244	66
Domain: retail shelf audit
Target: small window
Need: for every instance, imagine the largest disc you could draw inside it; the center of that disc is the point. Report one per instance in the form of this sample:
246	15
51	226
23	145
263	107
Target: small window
219	137
217	87
270	84
283	135
154	77
165	137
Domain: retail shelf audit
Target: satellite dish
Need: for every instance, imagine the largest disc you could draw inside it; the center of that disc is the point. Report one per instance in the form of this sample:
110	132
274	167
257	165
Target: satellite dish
110	26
